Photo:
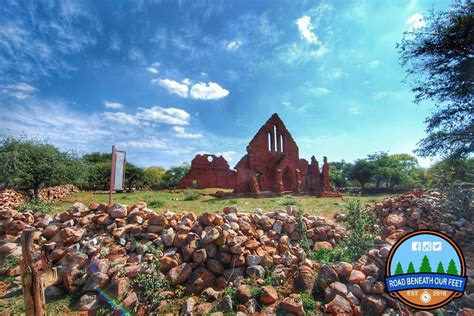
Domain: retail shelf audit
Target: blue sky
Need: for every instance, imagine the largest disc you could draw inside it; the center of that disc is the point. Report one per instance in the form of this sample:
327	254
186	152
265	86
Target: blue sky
165	80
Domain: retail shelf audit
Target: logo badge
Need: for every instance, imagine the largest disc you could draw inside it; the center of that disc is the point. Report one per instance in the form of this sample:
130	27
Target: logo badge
425	270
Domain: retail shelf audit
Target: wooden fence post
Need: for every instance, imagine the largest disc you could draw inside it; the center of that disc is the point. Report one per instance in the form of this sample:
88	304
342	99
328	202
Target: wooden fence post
33	291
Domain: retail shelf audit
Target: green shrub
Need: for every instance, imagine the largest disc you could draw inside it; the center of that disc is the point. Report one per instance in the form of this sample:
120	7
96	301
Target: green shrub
150	286
191	195
8	263
153	203
256	292
362	232
36	205
309	304
287	201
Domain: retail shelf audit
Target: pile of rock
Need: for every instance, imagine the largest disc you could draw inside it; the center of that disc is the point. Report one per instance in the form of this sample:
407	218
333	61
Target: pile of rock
52	194
10	199
421	210
105	246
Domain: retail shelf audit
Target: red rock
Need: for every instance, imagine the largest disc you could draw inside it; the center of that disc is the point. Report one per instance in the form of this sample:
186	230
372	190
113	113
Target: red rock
336	288
166	263
269	295
214	266
51	230
322	245
179	274
15	227
118	288
343	269
199	280
200	256
338	306
398	220
70	235
374	303
356	277
293	304
243	293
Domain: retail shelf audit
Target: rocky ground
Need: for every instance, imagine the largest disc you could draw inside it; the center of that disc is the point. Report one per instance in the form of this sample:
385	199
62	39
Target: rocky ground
130	259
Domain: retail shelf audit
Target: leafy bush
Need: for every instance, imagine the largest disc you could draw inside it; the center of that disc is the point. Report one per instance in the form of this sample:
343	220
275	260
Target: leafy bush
287	201
309	304
150	286
191	195
153	203
36	205
362	232
8	263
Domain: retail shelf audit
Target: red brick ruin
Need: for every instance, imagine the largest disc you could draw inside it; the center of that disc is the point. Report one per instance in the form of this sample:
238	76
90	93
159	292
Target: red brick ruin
272	164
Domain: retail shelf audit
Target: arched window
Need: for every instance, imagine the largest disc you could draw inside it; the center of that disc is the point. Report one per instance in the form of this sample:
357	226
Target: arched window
269	142
275	136
281	143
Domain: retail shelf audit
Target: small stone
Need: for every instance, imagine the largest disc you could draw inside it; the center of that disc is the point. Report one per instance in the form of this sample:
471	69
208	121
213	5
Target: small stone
187	307
200	256
356	277
269	295
118	211
374	303
326	276
256	271
167	236
338	306
293	304
179	274
336	288
225	304
252	260
243	293
343	269
214	266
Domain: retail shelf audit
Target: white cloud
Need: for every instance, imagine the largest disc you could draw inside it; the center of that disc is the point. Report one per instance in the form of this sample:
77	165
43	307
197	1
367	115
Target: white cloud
233	46
318	91
121	117
151	143
384	94
153	68
209	91
374	64
199	91
113	105
354	110
172	116
335	74
411	5
416	21
19	91
181	133
173	87
306	29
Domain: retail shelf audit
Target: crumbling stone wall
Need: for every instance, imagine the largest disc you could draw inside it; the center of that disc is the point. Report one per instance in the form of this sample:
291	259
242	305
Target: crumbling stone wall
272	164
209	171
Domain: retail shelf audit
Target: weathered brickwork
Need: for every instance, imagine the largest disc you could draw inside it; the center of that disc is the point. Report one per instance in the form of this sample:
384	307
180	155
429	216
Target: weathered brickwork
272	164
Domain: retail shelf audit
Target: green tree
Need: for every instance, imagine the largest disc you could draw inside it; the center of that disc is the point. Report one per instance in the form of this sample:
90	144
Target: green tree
133	176
452	268
153	176
362	172
425	265
174	175
440	268
339	175
411	268
30	164
398	269
439	59
455	177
